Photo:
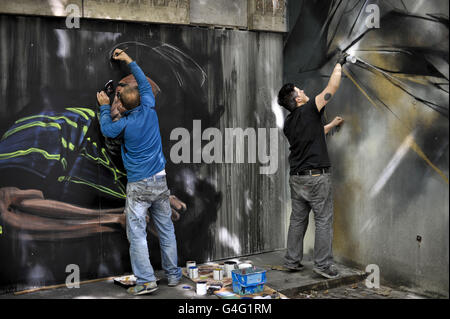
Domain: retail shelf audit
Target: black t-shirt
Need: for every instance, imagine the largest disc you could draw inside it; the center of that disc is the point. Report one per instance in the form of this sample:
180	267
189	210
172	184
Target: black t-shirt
304	129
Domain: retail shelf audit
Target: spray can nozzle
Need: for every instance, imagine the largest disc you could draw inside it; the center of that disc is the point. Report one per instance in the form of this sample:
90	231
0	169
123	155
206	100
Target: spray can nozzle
351	59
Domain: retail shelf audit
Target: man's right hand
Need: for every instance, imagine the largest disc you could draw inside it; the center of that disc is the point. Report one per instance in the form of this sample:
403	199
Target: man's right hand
342	58
121	55
102	98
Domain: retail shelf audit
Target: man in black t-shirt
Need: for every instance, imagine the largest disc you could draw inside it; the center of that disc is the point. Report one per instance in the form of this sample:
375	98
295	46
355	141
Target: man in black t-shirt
310	179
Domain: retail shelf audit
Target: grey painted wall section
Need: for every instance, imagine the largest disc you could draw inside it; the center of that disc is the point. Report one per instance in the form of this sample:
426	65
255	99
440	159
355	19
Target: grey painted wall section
219	12
254	210
391	158
267	15
169	11
38	7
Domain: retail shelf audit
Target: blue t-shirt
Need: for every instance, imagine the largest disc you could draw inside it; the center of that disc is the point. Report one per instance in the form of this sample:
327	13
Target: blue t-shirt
142	148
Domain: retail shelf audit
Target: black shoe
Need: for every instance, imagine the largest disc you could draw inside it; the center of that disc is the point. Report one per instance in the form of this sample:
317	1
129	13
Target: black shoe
331	272
294	268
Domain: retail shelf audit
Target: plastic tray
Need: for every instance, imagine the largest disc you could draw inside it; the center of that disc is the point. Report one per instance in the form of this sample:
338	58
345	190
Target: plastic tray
249	276
248	281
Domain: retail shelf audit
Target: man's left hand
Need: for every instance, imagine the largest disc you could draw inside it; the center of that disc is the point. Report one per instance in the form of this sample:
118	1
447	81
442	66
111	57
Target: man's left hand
338	121
102	98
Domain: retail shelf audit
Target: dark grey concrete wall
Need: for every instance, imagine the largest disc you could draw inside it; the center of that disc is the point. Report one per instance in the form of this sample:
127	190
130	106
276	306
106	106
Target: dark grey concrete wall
391	157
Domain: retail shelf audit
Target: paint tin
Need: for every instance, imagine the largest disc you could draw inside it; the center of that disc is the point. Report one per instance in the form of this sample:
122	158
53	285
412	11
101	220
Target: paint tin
189	264
218	274
201	288
193	272
229	266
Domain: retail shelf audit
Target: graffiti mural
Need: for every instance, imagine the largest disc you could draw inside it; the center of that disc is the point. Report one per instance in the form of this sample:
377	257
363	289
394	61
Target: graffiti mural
391	158
62	184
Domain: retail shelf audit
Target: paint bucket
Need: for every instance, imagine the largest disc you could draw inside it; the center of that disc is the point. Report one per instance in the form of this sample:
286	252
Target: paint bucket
201	288
189	264
229	266
218	274
193	272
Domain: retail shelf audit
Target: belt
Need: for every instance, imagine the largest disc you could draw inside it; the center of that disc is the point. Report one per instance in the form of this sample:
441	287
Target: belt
314	171
156	177
159	175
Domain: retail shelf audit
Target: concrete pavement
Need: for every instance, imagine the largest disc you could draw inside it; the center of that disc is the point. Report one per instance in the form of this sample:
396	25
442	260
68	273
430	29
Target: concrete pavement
292	284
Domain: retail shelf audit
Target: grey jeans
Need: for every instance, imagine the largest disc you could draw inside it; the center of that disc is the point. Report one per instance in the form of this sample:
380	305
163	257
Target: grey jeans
311	193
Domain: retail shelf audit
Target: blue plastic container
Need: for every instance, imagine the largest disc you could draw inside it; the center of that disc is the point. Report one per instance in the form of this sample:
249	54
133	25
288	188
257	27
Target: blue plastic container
248	281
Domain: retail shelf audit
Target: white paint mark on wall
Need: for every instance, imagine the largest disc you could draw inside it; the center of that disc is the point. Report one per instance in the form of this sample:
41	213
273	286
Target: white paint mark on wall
368	224
188	179
278	113
63	50
392	165
99	37
248	202
229	240
38	273
177	56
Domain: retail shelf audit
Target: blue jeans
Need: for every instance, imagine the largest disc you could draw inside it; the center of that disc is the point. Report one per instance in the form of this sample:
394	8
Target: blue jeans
150	195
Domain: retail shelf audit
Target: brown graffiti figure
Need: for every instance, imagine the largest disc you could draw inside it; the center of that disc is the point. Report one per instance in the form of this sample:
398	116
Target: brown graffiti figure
37	218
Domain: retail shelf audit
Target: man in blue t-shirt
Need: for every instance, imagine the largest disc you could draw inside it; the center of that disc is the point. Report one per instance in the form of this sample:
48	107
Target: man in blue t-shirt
147	186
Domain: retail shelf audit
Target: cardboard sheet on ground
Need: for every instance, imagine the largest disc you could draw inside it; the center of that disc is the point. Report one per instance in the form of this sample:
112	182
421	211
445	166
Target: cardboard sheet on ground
206	273
128	281
227	293
125	281
279	268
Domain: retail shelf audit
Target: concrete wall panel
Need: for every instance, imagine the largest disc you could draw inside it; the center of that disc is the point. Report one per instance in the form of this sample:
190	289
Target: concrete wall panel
220	12
267	15
258	15
38	7
157	11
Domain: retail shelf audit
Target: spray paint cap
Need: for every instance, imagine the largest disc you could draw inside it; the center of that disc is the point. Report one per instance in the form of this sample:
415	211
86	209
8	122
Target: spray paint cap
351	59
